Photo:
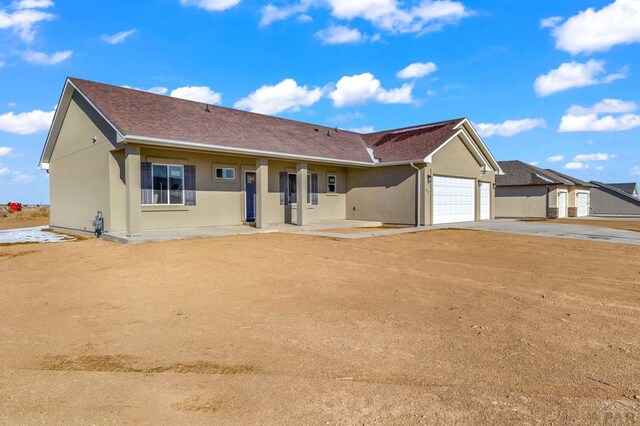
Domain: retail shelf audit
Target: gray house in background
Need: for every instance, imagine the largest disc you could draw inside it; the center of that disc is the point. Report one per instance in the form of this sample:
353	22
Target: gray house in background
528	191
615	199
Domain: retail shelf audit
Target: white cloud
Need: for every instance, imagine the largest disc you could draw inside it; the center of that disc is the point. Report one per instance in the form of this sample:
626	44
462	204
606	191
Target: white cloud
635	171
211	5
41	58
158	90
426	16
194	93
510	127
20	177
590	119
24	16
599	30
533	163
385	14
4	170
340	34
26	123
550	22
604	106
363	88
417	70
599	156
595	123
118	37
31	4
271	13
574	74
284	96
574	165
362	129
5	151
599	168
555	158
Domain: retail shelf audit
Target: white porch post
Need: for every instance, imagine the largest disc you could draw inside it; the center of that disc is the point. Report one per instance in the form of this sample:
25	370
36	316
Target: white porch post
301	197
262	191
133	189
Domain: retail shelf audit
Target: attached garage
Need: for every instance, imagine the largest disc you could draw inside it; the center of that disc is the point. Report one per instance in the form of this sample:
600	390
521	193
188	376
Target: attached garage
453	200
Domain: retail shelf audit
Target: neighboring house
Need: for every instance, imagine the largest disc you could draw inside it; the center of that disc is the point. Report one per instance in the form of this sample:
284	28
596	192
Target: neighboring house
614	199
148	161
528	191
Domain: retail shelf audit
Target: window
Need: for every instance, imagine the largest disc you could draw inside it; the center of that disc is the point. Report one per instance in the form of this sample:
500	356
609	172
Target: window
168	184
292	190
312	188
332	187
226	173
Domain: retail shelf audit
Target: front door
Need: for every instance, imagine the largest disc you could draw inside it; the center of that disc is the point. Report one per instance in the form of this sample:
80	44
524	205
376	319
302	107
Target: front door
250	196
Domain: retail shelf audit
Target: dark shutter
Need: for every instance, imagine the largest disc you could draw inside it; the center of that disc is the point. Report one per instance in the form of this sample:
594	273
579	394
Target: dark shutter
314	189
146	183
283	188
189	185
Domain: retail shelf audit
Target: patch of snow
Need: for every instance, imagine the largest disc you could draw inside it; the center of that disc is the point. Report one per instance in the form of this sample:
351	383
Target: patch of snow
32	235
373	157
544	178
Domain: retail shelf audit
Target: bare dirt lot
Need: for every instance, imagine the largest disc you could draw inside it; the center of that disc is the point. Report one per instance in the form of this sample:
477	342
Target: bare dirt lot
435	327
24	219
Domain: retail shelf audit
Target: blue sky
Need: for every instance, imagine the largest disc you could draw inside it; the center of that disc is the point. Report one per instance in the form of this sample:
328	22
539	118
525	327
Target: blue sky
550	82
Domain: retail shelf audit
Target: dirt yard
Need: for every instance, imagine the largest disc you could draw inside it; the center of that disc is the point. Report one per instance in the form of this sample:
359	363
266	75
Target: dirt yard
437	327
24	219
628	225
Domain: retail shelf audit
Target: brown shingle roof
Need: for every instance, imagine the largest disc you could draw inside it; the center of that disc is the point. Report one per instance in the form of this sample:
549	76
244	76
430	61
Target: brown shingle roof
410	143
139	113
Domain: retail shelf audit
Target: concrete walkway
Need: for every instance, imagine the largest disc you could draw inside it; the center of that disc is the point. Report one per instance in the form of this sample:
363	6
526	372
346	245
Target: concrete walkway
225	231
557	230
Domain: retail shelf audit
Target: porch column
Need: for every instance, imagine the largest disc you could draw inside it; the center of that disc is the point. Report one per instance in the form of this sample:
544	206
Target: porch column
262	191
132	183
301	196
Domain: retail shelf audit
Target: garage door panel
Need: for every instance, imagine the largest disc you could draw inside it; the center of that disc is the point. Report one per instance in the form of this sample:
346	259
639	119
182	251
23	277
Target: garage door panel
485	201
582	202
453	200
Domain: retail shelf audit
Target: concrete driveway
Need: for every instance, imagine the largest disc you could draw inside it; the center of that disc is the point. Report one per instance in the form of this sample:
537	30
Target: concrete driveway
558	230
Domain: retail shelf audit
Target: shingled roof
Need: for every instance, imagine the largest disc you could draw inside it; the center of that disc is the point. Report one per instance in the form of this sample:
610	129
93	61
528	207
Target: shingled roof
399	144
517	173
628	187
136	113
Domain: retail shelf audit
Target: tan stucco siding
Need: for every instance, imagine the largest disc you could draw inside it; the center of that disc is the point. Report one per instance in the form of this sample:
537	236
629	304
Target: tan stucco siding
386	194
456	160
222	202
521	201
79	169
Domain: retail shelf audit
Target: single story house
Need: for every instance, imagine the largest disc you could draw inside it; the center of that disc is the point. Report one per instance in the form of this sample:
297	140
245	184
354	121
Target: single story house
615	199
148	161
528	191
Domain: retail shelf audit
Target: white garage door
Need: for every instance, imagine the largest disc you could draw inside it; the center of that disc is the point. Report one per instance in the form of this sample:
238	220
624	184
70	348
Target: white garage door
485	201
583	204
562	204
453	200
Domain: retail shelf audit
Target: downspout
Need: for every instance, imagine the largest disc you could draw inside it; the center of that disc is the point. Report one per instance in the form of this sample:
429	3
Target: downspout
418	194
